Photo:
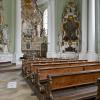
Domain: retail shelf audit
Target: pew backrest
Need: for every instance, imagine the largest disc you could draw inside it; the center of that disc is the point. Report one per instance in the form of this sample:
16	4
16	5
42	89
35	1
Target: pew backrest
42	72
35	66
60	81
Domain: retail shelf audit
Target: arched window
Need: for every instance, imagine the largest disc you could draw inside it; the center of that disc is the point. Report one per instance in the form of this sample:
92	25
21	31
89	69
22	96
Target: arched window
45	21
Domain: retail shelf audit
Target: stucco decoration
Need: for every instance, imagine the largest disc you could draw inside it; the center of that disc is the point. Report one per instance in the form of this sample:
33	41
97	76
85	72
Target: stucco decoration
70	27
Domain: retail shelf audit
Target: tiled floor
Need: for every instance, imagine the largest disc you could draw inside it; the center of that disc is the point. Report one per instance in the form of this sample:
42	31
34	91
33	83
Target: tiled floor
21	92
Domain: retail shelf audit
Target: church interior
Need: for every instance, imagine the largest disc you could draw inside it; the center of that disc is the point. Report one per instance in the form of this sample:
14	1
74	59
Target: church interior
49	49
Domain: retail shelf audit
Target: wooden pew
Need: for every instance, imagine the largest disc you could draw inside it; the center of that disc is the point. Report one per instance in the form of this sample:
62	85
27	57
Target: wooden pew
31	71
43	72
46	69
50	61
28	62
57	82
34	67
30	65
36	61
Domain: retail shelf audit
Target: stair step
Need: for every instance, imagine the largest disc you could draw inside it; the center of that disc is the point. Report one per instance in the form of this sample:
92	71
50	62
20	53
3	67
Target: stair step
10	68
6	65
5	62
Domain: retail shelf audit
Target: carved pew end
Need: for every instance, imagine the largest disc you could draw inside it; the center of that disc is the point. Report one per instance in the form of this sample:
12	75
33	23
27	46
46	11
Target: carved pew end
98	90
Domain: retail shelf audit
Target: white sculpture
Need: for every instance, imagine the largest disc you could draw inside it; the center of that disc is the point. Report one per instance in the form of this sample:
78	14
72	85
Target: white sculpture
5	39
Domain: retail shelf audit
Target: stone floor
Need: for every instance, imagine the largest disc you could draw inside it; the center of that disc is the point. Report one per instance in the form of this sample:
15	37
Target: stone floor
21	92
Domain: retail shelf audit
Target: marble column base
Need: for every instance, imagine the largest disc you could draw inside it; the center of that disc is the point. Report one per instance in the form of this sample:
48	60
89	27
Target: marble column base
92	56
16	58
82	56
66	55
6	57
51	55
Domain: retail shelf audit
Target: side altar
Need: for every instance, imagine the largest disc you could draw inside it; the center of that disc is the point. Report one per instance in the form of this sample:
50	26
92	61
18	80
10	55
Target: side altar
5	56
69	38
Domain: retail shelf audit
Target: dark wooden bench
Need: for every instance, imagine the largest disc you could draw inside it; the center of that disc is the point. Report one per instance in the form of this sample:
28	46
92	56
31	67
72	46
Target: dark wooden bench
57	82
29	66
44	70
42	73
26	63
53	69
35	66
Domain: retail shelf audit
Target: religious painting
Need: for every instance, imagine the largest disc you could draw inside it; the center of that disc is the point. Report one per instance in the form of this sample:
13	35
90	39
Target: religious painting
71	26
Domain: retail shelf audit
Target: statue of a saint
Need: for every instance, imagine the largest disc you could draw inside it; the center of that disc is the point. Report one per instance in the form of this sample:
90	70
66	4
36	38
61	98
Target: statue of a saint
5	38
5	34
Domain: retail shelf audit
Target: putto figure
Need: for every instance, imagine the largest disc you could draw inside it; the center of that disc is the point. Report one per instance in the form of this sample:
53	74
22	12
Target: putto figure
5	38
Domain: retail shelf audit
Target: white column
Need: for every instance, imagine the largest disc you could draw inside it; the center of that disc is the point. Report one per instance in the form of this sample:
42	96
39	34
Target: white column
98	27
91	56
83	53
18	52
51	29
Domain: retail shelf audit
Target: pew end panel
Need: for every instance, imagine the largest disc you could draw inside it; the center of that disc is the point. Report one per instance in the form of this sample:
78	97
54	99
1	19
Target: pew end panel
98	90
